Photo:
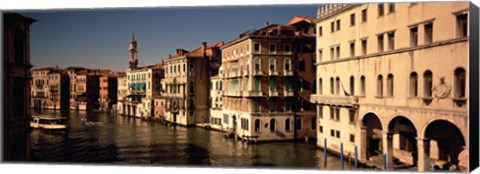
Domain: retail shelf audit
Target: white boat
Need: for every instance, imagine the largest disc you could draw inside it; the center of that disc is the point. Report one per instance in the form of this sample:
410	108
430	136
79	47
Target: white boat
48	122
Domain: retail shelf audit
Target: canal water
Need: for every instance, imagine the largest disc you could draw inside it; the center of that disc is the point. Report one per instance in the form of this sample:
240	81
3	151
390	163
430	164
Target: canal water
123	140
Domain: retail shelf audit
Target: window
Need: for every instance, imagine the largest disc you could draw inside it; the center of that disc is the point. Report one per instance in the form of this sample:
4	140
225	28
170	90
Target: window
427	77
256	106
337	86
191	68
257	125
379	86
428	33
288	64
287	48
352	85
257	85
391	7
364	15
301	65
380	43
298	124
338	52
191	89
256	48
414	36
391	40
364	46
413	84
338	134
332	133
288	85
272	48
331	85
313	124
390	86
320	86
320	31
462	25
352	19
332	27
352	138
272	125
380	10
273	86
351	115
320	129
338	25
332	53
257	64
320	55
460	83
287	124
272	62
332	113
337	114
352	49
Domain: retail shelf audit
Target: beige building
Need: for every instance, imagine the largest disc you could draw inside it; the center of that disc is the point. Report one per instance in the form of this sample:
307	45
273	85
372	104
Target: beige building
122	90
50	89
216	104
187	78
393	79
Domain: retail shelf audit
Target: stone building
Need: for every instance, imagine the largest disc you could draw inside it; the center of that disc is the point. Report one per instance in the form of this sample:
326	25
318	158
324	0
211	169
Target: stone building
187	79
122	90
84	88
216	104
16	87
50	89
143	85
268	76
393	79
108	89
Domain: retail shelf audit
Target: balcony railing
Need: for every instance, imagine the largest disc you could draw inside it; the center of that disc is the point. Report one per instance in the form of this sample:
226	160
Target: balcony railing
257	73
287	72
245	73
273	93
273	73
335	100
232	74
234	93
253	94
288	93
174	95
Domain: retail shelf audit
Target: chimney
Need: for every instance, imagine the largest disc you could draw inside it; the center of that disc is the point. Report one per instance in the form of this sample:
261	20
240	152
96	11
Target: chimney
266	23
204	45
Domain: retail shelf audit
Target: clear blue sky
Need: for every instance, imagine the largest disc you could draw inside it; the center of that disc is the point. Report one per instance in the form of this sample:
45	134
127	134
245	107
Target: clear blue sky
100	38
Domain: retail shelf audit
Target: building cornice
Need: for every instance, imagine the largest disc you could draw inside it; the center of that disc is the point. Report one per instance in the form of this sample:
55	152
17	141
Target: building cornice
331	10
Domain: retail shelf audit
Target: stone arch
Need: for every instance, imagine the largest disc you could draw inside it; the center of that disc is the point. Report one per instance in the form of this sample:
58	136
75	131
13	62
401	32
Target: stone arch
371	135
446	140
404	138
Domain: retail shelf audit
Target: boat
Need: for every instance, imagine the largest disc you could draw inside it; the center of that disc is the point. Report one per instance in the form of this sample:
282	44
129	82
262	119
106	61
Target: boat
48	122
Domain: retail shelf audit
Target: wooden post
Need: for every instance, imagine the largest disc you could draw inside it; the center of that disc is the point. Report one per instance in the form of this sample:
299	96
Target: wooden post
341	155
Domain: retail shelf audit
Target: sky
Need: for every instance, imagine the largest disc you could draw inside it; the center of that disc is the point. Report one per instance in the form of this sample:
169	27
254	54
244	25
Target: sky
99	38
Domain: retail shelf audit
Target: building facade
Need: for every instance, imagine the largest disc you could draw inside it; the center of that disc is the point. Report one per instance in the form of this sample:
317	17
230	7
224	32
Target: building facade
187	79
108	90
267	84
16	87
50	89
392	79
216	104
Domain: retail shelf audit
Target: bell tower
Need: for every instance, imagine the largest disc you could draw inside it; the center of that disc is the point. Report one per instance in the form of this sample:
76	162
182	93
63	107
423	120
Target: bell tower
133	59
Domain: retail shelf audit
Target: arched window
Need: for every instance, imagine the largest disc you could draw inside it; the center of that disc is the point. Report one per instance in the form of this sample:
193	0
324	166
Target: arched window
427	83
314	86
272	125
460	83
287	124
257	85
258	63
331	85
320	86
337	85
390	86
272	64
352	85
413	84
288	64
191	89
362	85
379	86
257	125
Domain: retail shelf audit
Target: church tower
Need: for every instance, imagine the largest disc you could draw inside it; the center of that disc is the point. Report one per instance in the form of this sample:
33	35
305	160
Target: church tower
133	60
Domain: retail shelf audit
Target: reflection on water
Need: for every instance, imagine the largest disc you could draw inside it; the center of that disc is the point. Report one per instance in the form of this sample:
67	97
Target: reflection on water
125	140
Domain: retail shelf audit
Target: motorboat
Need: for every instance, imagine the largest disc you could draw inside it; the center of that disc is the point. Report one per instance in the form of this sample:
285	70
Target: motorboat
48	122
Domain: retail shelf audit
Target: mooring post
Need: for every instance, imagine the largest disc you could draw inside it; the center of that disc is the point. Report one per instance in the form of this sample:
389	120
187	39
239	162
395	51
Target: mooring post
325	151
341	154
384	162
356	156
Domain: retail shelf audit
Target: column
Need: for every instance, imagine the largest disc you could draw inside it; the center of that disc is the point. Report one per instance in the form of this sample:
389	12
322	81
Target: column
389	150
363	143
423	147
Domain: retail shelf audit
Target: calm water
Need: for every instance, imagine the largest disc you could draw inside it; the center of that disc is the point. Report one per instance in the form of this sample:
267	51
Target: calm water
123	140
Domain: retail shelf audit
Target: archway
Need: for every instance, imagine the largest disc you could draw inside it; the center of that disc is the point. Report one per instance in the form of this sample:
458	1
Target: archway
446	142
403	142
371	136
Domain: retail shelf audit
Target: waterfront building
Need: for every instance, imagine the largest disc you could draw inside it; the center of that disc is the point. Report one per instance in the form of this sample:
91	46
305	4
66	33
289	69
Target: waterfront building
187	79
268	77
16	87
159	107
108	89
50	89
87	91
392	79
143	85
122	91
216	104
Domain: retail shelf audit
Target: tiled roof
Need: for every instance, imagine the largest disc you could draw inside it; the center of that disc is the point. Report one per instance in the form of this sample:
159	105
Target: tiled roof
297	19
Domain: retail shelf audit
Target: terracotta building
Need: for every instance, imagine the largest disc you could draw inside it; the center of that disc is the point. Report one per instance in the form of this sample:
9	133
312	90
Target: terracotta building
268	78
187	78
50	89
16	89
393	79
84	88
108	89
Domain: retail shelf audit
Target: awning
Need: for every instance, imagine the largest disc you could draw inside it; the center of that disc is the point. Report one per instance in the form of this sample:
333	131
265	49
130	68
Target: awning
132	85
80	94
141	85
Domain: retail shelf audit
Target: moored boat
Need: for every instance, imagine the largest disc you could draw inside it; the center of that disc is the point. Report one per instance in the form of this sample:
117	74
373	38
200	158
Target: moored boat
48	122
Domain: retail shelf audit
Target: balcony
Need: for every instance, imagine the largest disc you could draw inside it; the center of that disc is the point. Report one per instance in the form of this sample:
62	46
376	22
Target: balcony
273	73
234	93
273	93
245	73
257	73
253	94
173	95
351	101
288	93
232	74
287	72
